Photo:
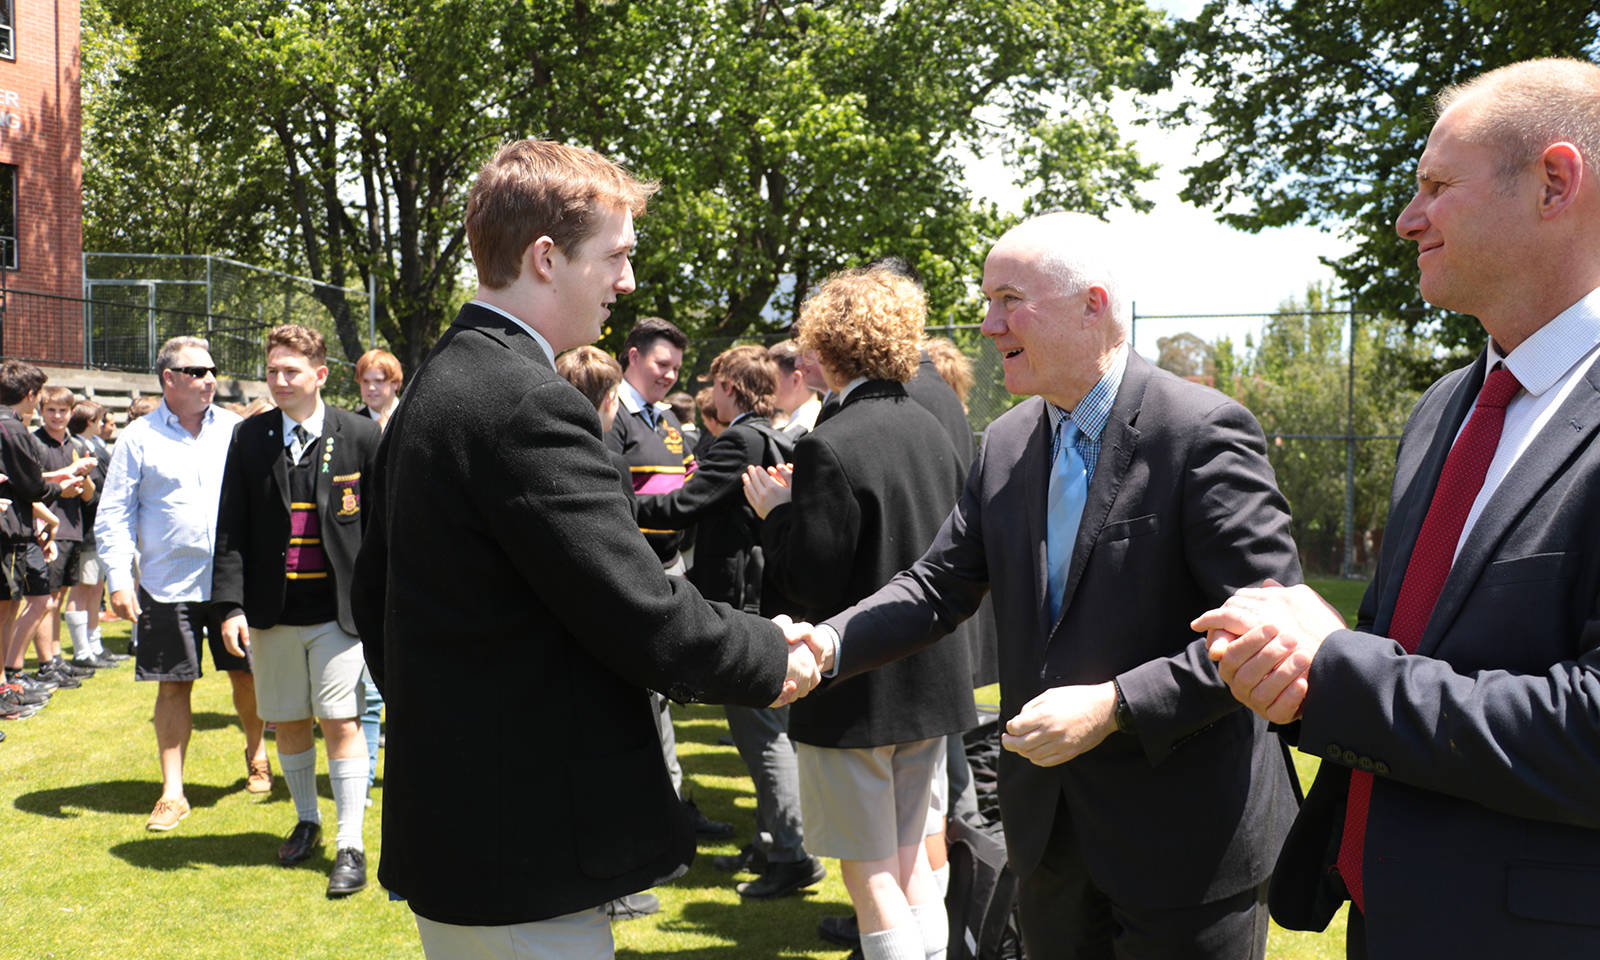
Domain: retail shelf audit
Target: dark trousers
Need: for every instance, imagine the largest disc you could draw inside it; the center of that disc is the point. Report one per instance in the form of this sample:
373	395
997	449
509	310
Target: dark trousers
1064	916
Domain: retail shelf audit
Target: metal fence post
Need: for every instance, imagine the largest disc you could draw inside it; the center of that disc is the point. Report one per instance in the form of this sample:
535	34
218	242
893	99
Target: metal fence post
1349	566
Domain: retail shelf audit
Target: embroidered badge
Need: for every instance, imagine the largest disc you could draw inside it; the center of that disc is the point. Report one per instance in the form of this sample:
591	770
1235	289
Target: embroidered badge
348	502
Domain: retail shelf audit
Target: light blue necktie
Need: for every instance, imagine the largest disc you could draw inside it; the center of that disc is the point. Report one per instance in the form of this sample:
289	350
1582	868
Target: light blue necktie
1069	490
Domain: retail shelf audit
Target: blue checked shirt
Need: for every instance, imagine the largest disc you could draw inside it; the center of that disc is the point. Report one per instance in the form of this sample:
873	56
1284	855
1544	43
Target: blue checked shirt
160	503
1090	415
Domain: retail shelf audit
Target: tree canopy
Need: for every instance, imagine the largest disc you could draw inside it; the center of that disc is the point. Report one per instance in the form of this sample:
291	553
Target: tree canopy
1315	111
339	136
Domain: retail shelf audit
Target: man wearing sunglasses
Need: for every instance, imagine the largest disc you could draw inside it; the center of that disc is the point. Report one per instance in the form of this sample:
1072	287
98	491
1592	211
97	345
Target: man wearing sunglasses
160	504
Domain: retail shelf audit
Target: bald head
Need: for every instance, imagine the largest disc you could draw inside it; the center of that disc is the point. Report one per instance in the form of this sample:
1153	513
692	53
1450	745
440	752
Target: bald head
1523	108
1076	251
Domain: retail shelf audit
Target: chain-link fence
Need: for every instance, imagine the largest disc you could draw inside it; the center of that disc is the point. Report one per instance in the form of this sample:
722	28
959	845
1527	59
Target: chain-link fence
133	302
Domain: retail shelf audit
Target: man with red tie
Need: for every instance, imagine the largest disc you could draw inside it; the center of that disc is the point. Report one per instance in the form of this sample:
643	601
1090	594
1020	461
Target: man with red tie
1457	806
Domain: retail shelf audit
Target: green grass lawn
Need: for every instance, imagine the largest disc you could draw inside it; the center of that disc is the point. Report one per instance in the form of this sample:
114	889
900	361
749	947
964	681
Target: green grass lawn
82	879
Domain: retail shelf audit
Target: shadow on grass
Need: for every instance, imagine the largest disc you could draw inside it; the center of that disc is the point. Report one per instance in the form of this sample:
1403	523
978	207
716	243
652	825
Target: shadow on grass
211	720
113	796
168	852
748	922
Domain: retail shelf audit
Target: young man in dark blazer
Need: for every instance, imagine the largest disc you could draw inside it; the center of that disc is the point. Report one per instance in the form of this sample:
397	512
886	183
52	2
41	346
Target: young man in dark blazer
496	514
1457	805
289	526
1098	514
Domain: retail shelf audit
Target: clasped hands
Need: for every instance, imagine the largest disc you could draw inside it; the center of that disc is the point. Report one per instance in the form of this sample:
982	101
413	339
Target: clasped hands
1263	640
810	656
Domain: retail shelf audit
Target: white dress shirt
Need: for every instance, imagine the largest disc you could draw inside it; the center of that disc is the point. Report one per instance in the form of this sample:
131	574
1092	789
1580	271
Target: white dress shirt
160	502
1549	365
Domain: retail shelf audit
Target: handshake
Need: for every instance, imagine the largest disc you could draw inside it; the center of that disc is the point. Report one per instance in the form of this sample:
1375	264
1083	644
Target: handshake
811	654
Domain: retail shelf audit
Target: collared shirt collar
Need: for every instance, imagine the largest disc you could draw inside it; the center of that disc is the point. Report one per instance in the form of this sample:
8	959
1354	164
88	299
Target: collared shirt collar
1541	361
536	335
633	400
313	423
166	417
742	416
845	393
1092	412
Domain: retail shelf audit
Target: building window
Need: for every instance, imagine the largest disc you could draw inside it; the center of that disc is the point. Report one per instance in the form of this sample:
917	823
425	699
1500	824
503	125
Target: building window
8	216
8	47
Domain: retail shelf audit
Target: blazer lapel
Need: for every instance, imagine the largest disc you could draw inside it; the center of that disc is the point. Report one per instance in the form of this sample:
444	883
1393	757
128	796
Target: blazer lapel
1034	468
321	467
1572	427
280	463
1412	508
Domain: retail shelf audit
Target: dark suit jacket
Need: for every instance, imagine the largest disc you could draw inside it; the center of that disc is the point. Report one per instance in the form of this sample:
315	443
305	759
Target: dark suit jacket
1181	512
253	512
871	485
727	555
499	537
1483	835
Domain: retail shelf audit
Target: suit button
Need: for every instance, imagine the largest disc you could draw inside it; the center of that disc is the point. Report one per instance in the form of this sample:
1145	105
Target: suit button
1365	763
1381	768
1349	758
1334	751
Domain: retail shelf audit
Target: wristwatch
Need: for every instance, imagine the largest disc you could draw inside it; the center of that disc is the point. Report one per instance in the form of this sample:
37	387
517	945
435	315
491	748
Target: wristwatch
1124	714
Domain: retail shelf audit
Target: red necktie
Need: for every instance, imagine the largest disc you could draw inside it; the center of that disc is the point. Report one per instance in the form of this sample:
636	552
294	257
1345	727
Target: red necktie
1431	557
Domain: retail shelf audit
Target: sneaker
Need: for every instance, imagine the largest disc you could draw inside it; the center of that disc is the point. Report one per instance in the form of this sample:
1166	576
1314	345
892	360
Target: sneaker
113	657
257	774
50	673
92	662
15	711
167	814
32	682
16	693
71	669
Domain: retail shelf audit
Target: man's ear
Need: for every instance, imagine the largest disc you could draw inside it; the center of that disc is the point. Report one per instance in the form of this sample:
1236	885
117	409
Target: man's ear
1560	171
538	259
322	375
1096	306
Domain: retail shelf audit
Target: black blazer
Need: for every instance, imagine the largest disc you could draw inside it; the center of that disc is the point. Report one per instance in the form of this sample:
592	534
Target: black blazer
499	536
1181	512
871	485
727	554
253	512
1483	834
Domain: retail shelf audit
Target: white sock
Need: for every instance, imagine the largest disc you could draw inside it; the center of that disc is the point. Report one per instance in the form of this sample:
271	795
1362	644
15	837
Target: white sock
300	772
934	923
895	943
94	640
77	622
348	775
941	879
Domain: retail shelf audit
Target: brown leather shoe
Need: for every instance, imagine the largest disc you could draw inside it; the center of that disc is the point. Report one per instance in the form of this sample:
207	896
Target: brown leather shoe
258	774
167	813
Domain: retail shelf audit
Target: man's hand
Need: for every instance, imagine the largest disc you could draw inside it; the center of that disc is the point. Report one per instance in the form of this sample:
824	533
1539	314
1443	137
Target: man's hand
765	489
821	642
125	605
1062	723
803	675
87	493
1263	640
77	468
236	634
72	486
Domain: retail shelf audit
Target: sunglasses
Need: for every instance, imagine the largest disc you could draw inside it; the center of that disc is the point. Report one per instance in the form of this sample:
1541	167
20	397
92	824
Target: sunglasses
196	372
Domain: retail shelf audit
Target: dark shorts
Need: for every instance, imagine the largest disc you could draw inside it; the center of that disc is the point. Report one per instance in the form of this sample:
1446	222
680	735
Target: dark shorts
63	570
169	640
26	573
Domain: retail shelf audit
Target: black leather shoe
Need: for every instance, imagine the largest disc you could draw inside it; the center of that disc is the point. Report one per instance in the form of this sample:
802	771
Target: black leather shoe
841	930
749	858
633	905
705	829
782	879
303	841
349	873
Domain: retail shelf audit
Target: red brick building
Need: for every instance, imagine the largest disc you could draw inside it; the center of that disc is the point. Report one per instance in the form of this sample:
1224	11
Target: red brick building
41	181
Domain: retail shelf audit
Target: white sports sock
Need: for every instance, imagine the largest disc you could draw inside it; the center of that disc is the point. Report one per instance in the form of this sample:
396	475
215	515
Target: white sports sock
934	923
895	943
348	776
94	640
300	772
77	622
941	879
